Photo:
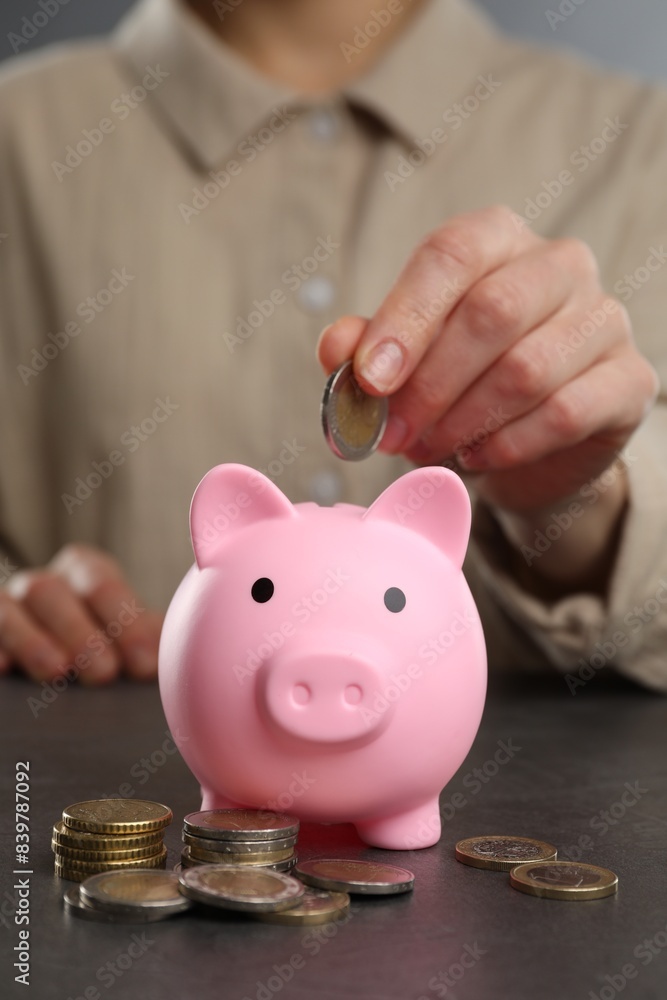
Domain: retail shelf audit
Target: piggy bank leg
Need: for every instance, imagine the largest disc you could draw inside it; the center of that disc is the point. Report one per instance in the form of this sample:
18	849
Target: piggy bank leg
405	831
213	800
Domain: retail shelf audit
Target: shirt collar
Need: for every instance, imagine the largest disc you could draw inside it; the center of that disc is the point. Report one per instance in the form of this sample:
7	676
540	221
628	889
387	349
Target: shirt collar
212	99
432	64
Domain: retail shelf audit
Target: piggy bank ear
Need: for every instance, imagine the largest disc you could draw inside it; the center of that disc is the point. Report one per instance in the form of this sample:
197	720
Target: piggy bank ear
434	503
229	498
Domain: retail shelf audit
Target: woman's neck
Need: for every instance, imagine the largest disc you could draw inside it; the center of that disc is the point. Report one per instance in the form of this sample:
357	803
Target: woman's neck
313	46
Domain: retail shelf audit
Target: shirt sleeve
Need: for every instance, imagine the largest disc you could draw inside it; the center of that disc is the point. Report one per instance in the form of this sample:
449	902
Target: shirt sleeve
583	634
626	631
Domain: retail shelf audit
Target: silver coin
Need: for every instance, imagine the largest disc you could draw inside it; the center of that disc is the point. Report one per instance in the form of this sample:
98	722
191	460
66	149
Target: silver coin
366	877
237	846
241	824
353	422
241	888
127	892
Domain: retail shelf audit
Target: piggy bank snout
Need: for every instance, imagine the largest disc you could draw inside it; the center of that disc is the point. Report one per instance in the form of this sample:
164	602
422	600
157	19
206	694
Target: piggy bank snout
323	697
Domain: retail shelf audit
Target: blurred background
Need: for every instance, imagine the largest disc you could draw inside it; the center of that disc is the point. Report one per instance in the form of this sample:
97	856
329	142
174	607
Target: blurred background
628	35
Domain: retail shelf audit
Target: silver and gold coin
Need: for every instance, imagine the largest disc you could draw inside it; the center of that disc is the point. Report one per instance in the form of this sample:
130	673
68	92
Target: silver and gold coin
117	816
189	861
501	853
63	836
364	877
353	421
147	894
316	906
245	888
564	880
259	858
237	847
241	824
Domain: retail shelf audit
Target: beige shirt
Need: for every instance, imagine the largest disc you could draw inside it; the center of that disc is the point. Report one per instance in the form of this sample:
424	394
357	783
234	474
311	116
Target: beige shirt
176	231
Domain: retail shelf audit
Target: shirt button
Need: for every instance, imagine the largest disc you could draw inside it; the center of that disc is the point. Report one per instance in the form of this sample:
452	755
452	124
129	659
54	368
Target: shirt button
317	293
324	125
326	487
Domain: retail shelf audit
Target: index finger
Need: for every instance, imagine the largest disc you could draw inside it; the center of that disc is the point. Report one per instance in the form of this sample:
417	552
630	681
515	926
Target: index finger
436	277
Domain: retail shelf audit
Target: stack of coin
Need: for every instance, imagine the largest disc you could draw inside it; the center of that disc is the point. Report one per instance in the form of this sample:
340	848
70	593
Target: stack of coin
260	839
534	869
108	834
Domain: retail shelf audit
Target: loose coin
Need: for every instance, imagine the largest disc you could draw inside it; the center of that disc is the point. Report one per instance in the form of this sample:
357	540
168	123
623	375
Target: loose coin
564	880
259	858
76	908
81	840
501	853
241	888
237	847
366	877
131	893
315	907
241	824
117	816
131	853
353	422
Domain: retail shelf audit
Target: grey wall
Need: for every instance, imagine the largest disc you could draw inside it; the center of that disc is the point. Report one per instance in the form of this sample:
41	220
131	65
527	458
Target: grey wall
627	34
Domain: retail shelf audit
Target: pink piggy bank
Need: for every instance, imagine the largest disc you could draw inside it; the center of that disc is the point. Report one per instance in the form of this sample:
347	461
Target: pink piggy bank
327	661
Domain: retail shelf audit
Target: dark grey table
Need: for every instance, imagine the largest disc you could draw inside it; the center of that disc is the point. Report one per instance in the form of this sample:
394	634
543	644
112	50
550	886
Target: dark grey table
588	773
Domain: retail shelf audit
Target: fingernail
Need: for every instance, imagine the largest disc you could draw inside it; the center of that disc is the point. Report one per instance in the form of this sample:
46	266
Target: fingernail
396	433
383	365
143	660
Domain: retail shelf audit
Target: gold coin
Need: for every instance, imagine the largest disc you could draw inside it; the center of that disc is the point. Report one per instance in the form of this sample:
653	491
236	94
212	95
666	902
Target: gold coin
83	841
259	858
131	853
64	870
117	816
564	880
315	907
499	852
93	867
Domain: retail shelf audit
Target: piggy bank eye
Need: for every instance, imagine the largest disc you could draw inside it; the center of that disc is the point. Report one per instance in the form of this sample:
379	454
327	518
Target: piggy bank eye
394	599
262	590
